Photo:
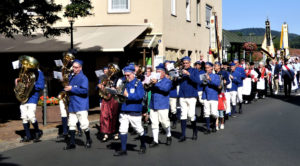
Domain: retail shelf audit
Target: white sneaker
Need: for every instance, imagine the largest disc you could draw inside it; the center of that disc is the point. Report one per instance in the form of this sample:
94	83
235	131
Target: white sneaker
217	128
222	126
276	92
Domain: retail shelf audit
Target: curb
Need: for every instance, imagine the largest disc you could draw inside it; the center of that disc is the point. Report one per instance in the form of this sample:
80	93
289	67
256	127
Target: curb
47	134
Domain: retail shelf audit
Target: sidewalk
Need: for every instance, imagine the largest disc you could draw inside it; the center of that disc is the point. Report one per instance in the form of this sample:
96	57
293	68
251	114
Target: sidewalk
12	130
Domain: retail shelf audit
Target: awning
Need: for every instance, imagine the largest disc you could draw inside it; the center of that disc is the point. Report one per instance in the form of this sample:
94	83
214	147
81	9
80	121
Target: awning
96	38
147	41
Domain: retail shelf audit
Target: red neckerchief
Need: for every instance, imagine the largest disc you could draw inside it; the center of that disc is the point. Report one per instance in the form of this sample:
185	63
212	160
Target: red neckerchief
249	71
263	72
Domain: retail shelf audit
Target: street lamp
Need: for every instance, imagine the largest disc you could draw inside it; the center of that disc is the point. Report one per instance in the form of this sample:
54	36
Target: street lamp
71	21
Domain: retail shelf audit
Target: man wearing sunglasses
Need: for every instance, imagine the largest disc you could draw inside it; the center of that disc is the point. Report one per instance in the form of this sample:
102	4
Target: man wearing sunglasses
131	110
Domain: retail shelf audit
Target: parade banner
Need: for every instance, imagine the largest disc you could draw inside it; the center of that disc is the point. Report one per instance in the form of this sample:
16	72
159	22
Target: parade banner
284	39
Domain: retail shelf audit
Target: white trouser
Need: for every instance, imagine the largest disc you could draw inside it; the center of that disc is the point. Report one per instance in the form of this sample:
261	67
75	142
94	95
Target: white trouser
233	95
134	120
240	95
200	96
228	106
211	108
28	112
161	116
173	105
63	111
82	117
188	107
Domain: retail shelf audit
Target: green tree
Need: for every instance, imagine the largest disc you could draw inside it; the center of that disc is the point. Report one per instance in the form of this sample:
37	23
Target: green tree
27	16
78	8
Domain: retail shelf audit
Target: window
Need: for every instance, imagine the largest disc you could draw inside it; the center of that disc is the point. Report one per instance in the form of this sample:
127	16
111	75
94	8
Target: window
173	7
188	10
208	15
198	8
118	6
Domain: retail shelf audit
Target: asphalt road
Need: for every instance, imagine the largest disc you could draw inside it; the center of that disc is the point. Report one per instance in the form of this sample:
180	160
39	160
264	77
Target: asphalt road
266	134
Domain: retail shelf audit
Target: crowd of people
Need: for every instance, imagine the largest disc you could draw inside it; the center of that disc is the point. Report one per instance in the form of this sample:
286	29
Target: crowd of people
162	99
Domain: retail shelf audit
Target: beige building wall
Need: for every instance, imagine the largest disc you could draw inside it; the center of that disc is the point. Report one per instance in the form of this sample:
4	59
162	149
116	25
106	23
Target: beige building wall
179	37
182	35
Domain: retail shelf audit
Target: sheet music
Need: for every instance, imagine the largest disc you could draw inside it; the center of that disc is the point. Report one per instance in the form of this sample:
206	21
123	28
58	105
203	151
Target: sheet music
57	75
170	66
16	64
99	73
155	75
58	63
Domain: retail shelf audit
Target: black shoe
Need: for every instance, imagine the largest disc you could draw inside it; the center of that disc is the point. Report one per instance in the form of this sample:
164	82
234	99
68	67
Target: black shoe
70	146
214	130
207	132
25	139
142	150
153	144
88	144
173	125
182	139
38	136
146	128
169	141
120	153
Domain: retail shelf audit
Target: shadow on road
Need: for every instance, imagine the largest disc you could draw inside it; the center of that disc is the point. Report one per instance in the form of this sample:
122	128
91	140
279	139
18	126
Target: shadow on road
6	164
292	99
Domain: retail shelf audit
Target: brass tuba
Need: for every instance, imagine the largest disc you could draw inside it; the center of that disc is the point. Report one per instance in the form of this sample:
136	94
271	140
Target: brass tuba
26	78
66	70
106	81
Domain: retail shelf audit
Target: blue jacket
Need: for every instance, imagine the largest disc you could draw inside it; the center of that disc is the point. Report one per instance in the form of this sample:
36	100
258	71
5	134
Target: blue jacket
135	97
160	95
38	86
235	81
173	92
188	84
210	91
199	86
79	98
225	76
242	75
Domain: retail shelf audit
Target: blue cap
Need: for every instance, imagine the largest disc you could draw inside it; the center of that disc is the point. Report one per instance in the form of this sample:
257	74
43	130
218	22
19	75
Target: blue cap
129	68
105	67
232	64
78	61
209	63
166	61
235	59
218	63
197	63
186	58
161	67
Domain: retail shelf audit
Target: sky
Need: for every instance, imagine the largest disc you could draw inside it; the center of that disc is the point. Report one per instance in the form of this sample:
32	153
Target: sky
238	14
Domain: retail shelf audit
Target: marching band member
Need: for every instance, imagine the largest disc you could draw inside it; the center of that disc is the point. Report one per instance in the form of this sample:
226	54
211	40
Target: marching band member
28	109
188	97
235	81
224	78
159	105
288	77
241	70
275	74
251	76
210	96
173	98
131	110
262	80
109	108
78	105
200	87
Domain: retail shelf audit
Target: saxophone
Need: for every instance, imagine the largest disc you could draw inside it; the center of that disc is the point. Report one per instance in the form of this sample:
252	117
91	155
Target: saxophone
66	70
26	78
